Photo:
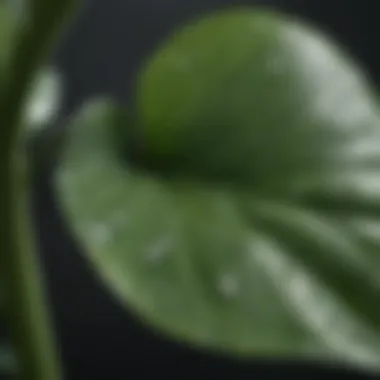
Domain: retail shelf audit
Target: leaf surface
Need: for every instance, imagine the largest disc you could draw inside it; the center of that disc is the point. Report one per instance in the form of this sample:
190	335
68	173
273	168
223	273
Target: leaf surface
253	227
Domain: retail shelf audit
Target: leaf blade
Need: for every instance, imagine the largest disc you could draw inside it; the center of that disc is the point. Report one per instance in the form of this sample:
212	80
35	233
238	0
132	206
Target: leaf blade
249	264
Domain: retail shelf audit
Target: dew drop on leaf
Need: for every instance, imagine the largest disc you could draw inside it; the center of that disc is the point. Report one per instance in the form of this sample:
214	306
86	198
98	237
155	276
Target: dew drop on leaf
228	286
101	233
159	249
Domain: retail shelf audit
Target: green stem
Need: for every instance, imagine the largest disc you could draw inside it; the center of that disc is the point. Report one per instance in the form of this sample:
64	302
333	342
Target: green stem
29	318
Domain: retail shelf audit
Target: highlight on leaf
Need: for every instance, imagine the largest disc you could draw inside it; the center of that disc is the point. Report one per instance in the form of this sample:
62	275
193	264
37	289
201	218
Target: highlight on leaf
44	101
250	226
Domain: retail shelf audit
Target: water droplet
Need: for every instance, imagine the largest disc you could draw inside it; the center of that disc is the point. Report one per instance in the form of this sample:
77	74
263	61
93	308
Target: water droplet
100	233
228	285
159	249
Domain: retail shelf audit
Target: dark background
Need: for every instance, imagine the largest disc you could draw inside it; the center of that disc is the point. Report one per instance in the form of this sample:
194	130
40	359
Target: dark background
100	55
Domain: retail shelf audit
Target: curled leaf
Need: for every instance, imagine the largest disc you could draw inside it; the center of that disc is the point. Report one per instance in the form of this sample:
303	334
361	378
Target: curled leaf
252	225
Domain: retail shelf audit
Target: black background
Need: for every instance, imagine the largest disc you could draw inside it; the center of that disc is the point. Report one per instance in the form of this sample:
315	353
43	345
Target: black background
100	55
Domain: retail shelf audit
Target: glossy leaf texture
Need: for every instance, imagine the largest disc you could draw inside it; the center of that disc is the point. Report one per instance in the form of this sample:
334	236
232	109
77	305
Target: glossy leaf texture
252	224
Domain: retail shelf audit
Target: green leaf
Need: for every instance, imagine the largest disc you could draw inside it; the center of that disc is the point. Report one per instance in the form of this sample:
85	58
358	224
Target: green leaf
249	81
251	225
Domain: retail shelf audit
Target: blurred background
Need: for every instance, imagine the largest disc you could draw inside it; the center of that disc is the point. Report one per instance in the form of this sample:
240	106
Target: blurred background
100	54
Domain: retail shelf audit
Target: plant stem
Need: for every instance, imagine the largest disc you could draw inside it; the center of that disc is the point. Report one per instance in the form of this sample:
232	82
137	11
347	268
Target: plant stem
29	318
